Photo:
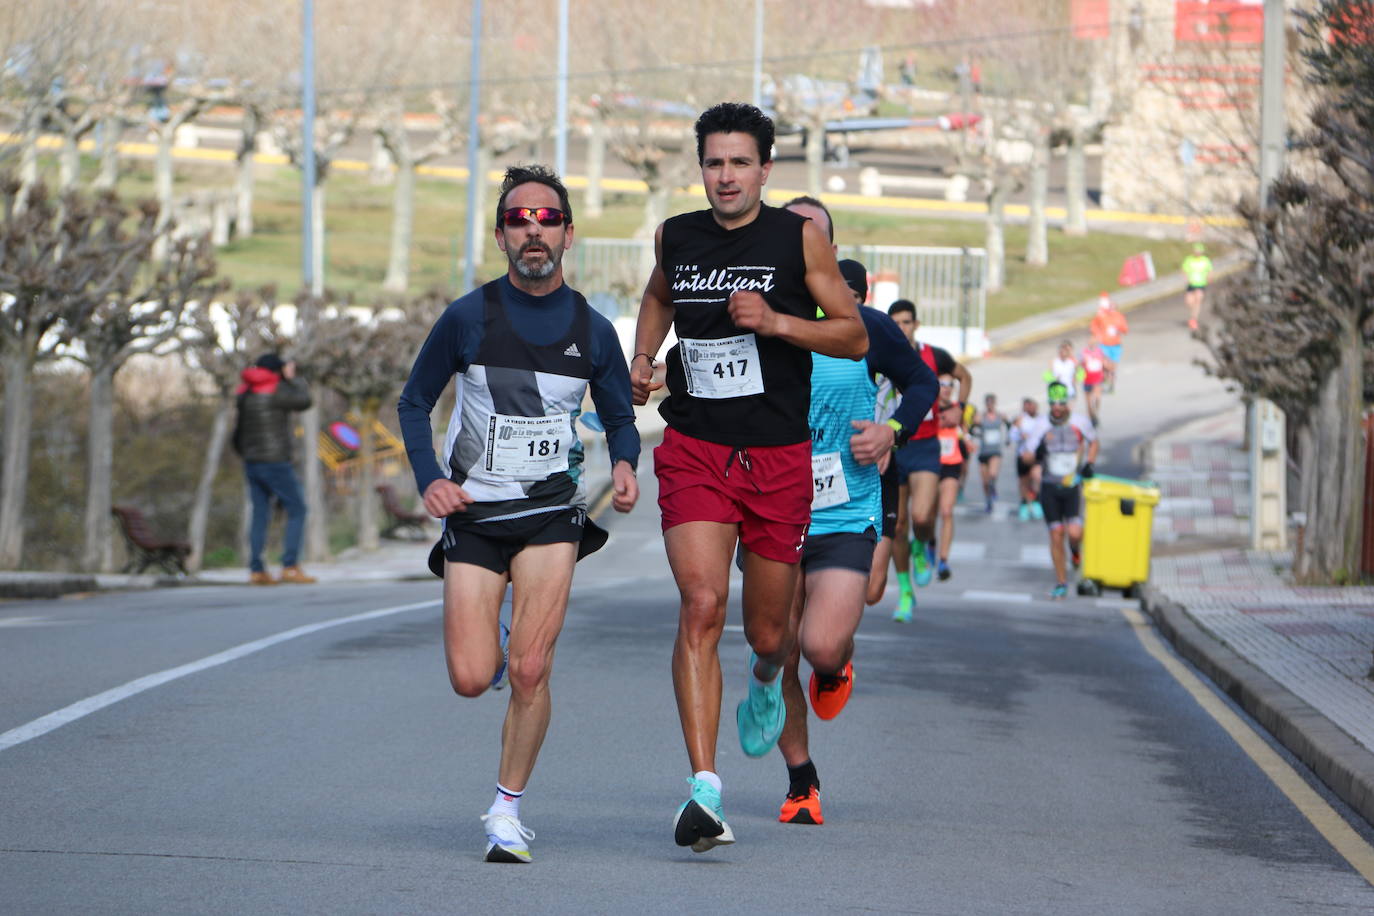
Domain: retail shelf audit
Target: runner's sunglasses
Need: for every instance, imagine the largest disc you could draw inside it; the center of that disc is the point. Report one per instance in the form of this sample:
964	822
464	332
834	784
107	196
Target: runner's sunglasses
516	217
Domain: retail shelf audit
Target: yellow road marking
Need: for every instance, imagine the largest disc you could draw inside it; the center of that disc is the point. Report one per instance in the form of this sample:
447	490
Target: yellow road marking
1312	806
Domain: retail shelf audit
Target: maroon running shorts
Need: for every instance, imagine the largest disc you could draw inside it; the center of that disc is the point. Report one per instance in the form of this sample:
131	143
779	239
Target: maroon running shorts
766	490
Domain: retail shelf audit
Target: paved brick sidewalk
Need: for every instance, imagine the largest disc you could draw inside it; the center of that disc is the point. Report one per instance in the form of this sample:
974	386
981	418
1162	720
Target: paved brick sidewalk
1268	637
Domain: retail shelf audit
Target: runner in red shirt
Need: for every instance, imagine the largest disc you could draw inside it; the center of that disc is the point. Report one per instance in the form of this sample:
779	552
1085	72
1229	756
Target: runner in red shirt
1095	366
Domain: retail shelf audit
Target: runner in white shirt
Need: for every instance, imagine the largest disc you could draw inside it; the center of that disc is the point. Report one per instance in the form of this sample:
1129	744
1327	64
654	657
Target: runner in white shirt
1066	445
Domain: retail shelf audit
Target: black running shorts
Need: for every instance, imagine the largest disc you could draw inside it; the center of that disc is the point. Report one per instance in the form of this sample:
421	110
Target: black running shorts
492	544
1062	505
841	550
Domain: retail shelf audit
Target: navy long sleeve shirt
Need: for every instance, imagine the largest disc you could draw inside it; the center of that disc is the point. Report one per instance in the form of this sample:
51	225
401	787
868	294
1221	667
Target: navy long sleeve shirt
455	340
890	354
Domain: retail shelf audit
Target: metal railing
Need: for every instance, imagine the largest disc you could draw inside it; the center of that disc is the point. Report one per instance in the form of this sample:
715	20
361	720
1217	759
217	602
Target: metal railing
947	284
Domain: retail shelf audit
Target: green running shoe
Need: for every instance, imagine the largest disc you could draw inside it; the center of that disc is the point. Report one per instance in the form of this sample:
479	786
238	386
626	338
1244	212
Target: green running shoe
700	823
905	602
920	565
760	715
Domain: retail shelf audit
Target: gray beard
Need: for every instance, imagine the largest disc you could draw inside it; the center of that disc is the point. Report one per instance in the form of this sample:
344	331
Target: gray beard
541	272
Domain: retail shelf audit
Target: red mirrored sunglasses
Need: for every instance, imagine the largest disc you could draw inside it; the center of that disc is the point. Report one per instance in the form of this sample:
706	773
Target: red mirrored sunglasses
516	217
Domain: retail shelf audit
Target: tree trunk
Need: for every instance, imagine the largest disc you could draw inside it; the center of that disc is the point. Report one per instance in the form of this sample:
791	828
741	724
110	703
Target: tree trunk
14	482
108	145
367	477
402	229
1037	235
97	554
317	520
996	243
1334	460
243	198
162	188
379	169
28	163
596	166
209	469
1076	185
69	163
655	207
815	158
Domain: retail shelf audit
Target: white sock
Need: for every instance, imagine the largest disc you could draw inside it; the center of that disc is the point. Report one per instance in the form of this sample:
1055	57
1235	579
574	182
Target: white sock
507	802
708	777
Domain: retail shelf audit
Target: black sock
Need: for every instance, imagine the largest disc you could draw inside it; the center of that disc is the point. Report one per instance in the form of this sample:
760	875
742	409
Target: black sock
803	776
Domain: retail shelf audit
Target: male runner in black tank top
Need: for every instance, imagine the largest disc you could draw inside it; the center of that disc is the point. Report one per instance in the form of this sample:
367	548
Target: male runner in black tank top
740	284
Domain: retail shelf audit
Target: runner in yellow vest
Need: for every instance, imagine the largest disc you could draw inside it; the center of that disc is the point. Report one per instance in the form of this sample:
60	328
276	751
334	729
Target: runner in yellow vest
1197	267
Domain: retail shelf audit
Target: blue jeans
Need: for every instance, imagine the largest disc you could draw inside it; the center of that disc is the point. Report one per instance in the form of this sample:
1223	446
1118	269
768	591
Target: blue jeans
268	479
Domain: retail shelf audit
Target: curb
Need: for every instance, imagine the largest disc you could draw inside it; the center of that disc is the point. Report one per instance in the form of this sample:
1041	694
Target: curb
39	585
1343	764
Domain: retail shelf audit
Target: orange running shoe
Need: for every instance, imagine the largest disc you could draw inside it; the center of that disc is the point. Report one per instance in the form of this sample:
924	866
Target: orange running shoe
830	693
802	806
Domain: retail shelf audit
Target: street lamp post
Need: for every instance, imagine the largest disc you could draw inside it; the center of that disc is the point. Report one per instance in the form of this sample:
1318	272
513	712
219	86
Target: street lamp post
560	141
1268	464
310	278
474	107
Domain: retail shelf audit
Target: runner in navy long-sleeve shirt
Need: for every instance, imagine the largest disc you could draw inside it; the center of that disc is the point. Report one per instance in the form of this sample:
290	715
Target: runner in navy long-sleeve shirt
523	351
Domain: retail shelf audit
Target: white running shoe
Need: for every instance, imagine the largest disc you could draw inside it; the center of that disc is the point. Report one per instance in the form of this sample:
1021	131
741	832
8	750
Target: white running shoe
506	839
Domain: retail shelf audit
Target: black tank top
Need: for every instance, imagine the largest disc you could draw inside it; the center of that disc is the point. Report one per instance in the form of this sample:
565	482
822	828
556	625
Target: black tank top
726	385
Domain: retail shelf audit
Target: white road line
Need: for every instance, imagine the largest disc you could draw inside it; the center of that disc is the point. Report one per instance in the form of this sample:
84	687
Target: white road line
83	708
33	622
1011	597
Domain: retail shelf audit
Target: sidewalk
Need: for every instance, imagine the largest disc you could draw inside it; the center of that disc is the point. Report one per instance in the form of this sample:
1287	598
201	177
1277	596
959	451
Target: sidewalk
1297	659
396	560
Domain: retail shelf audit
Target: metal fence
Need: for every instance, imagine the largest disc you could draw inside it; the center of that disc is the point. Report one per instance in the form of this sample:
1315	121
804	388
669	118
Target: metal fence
947	284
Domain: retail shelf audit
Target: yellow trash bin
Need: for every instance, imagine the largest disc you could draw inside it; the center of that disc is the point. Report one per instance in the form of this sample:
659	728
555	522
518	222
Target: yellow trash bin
1118	515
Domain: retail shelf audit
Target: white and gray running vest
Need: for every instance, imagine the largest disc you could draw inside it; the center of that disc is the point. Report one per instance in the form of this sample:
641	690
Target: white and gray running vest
512	442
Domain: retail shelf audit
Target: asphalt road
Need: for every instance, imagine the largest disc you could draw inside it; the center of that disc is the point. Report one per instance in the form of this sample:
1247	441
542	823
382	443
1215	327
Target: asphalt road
1001	754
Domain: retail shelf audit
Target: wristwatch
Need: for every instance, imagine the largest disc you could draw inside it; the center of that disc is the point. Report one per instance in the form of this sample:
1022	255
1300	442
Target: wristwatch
901	435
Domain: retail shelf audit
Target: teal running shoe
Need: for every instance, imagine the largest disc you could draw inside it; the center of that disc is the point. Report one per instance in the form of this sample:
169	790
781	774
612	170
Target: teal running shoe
1023	513
905	602
1059	592
760	715
1037	511
700	823
502	677
920	566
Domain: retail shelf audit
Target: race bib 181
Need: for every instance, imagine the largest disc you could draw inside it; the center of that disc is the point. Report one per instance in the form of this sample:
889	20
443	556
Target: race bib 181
528	448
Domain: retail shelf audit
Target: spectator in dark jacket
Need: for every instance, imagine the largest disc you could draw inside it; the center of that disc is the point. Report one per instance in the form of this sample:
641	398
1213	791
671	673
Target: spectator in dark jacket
268	394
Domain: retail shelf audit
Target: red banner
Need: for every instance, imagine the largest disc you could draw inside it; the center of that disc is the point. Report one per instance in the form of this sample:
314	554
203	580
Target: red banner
1091	19
1239	22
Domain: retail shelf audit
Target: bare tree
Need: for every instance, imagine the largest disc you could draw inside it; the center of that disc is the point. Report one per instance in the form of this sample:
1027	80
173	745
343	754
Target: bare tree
391	130
1300	329
365	354
138	311
219	340
56	262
